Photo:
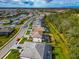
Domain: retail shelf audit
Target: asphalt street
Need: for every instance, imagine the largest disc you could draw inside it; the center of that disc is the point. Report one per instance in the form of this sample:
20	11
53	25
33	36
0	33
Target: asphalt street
21	32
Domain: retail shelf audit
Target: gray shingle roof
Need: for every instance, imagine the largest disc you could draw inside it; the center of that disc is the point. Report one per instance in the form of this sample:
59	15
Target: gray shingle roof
6	29
33	50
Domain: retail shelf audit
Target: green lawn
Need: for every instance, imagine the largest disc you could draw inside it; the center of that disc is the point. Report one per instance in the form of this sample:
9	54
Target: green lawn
30	26
28	32
14	54
22	21
58	53
23	40
4	39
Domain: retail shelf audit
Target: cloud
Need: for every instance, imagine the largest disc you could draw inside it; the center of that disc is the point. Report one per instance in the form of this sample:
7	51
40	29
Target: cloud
28	2
48	0
37	3
17	0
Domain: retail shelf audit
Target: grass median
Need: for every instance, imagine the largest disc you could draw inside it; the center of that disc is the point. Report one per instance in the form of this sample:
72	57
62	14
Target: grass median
14	54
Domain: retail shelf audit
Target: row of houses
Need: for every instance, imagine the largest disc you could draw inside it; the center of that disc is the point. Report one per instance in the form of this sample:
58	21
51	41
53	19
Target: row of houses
5	30
7	12
37	31
36	49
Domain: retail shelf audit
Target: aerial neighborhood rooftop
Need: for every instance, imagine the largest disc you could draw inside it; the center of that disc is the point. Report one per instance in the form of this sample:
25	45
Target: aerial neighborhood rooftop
27	31
37	31
35	51
6	30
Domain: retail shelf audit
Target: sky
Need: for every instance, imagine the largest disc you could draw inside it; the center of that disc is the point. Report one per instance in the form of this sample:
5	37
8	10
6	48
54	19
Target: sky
40	3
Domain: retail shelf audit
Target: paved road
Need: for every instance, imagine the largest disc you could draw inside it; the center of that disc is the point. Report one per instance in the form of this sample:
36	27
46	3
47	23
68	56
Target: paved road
20	34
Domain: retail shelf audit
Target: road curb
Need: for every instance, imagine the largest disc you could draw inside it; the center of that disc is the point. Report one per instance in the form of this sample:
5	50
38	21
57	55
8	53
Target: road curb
3	47
12	37
7	54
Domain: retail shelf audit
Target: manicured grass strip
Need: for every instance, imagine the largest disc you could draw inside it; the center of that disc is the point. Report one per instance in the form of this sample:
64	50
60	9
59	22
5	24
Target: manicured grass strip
28	32
22	40
30	25
14	54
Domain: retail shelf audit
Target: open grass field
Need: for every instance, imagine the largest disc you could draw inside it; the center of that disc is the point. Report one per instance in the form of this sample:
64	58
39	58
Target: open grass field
60	47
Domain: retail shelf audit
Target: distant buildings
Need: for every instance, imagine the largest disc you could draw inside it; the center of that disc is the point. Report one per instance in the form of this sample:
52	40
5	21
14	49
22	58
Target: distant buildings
7	12
35	51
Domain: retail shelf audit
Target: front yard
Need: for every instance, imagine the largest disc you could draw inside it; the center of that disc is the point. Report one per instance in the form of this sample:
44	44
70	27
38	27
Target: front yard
28	32
22	40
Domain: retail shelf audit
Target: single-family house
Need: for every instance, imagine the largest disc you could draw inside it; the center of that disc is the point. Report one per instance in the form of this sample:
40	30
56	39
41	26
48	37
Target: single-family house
5	30
36	51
